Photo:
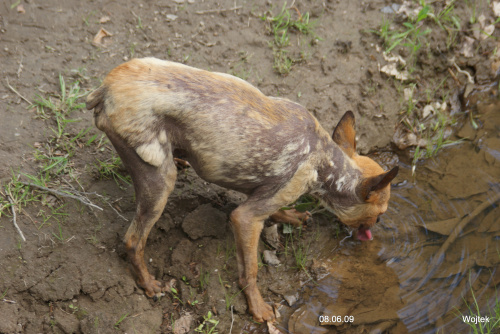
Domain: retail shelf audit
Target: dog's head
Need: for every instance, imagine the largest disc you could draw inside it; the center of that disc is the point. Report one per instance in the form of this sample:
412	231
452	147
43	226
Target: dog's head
372	191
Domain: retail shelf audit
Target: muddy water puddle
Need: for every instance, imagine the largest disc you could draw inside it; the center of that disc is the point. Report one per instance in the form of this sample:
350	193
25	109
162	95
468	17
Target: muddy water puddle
435	257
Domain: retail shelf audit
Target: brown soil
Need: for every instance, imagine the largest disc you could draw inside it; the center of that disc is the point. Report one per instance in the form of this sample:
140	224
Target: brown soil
71	275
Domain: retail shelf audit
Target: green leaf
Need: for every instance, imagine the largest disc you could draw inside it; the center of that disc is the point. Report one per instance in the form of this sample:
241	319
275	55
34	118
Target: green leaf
287	229
409	25
455	21
423	13
303	207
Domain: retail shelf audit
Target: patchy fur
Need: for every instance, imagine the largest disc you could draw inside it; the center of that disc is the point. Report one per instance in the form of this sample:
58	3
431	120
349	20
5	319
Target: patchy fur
271	149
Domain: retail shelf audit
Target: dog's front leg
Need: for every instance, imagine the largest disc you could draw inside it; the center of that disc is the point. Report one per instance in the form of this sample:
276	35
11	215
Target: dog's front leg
246	226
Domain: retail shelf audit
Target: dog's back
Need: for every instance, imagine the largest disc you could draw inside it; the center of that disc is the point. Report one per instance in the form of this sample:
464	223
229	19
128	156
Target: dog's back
231	133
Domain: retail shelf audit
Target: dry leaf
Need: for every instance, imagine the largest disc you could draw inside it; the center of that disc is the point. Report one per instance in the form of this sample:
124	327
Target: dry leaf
97	41
104	19
468	47
272	329
391	70
393	59
488	31
496	8
183	324
443	227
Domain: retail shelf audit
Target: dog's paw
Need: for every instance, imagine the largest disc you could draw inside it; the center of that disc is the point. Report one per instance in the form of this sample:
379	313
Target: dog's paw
156	289
262	311
292	216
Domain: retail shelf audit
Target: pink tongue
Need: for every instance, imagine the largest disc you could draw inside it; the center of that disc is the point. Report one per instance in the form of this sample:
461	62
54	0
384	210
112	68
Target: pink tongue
364	234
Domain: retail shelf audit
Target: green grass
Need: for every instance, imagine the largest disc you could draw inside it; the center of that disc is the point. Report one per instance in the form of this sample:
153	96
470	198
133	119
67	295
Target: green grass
449	22
175	294
280	27
54	156
204	279
58	108
228	297
122	318
241	68
493	313
412	36
111	169
18	192
208	326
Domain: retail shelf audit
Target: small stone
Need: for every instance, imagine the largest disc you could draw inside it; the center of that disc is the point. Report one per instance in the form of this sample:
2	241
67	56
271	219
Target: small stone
391	9
428	109
468	47
183	324
205	221
271	236
270	258
171	17
291	298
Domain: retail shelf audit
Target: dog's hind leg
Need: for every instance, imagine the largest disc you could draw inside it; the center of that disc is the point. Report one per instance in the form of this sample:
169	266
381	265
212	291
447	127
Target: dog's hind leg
153	185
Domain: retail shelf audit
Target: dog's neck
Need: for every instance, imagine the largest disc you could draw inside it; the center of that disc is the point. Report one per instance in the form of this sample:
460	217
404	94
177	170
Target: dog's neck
338	178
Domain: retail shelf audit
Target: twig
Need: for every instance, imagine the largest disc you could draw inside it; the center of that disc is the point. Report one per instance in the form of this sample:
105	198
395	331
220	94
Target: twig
454	77
232	320
15	91
84	194
438	258
20	69
467	74
83	200
116	211
14	218
8	301
201	12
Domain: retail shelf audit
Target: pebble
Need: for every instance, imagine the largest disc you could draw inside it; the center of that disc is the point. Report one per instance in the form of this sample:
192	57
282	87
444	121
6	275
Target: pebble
270	258
391	9
171	17
292	298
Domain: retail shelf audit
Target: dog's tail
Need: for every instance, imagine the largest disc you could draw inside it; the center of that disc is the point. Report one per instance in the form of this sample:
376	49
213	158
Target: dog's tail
96	100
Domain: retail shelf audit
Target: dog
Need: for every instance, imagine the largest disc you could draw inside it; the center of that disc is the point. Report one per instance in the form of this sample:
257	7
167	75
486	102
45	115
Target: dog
271	149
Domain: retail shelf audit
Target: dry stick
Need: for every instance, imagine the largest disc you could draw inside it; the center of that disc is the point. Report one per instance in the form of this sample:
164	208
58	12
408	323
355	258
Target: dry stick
438	258
15	91
12	206
59	193
467	74
454	77
96	194
232	320
200	12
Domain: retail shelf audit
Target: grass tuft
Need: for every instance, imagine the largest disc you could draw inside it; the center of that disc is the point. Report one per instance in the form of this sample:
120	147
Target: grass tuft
280	26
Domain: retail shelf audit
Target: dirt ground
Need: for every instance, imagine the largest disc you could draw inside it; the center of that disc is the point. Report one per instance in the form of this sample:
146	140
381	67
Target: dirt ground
71	274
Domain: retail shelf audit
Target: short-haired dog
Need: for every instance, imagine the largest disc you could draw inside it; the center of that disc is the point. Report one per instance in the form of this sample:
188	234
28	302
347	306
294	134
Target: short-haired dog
271	149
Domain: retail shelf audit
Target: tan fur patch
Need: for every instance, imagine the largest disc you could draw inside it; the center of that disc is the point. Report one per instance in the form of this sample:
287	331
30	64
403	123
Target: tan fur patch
152	153
302	181
162	138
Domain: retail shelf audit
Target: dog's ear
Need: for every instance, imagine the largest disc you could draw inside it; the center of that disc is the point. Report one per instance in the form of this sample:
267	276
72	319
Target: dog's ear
375	183
344	134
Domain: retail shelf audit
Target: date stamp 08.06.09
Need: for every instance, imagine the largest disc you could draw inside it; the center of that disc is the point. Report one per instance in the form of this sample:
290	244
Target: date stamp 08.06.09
336	320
